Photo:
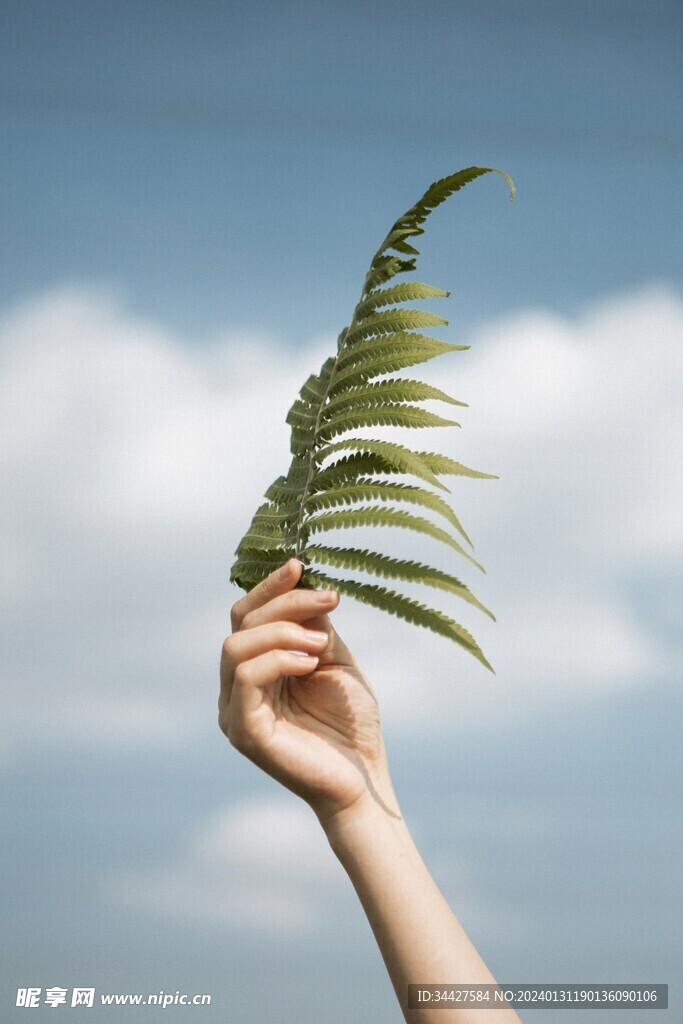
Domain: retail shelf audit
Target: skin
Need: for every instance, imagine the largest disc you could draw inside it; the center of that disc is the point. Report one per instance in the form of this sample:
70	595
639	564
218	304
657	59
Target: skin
295	702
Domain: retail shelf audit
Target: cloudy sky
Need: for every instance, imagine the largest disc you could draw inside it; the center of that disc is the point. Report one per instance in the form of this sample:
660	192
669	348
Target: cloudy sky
191	193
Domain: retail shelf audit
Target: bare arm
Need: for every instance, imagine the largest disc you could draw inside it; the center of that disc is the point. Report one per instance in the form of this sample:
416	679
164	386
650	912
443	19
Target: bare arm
312	722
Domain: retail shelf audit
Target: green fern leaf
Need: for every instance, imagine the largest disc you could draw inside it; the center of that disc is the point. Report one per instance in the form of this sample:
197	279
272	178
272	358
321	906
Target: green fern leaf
441	464
314	388
253	565
391	321
399	293
383	269
395	353
391	414
393	568
402	460
404	607
373	490
327	475
302	415
381	391
350	468
375	515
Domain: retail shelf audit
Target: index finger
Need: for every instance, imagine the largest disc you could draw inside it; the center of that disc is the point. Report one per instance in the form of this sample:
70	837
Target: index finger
279	582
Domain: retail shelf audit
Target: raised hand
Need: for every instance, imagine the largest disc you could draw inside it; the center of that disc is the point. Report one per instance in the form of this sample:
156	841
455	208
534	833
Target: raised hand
294	700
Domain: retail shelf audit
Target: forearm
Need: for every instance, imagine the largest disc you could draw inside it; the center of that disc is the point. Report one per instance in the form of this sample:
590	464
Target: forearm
419	937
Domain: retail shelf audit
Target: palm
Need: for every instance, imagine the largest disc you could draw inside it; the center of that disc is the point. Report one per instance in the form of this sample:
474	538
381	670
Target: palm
323	728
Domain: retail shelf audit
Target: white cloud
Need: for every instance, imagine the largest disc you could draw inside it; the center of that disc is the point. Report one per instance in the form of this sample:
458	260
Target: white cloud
128	476
132	462
584	418
259	866
263	866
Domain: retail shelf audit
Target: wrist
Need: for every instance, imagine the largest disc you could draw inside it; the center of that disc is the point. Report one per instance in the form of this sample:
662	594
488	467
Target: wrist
374	817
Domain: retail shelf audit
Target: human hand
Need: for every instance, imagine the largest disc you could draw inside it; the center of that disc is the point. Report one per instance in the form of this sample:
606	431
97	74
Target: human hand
309	720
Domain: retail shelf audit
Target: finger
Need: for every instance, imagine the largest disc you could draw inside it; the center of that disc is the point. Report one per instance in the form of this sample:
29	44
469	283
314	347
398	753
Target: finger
296	606
279	582
250	643
250	680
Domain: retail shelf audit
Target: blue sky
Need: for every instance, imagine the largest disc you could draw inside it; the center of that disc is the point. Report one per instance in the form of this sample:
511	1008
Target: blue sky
190	196
236	164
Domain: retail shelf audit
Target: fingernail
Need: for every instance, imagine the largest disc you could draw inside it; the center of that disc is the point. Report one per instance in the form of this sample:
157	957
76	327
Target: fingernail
315	637
325	596
285	570
307	657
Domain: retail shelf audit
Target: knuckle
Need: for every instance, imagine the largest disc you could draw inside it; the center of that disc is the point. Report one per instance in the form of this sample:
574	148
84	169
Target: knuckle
228	646
236	614
267	585
292	633
282	660
247	621
240	676
240	738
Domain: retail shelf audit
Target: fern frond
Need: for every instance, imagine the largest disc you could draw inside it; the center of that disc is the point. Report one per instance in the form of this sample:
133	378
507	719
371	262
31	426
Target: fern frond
399	293
441	464
391	414
253	565
331	484
391	321
373	490
403	607
393	568
398	351
383	269
302	415
402	460
263	535
438	193
287	489
381	391
376	515
350	468
314	388
399	341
